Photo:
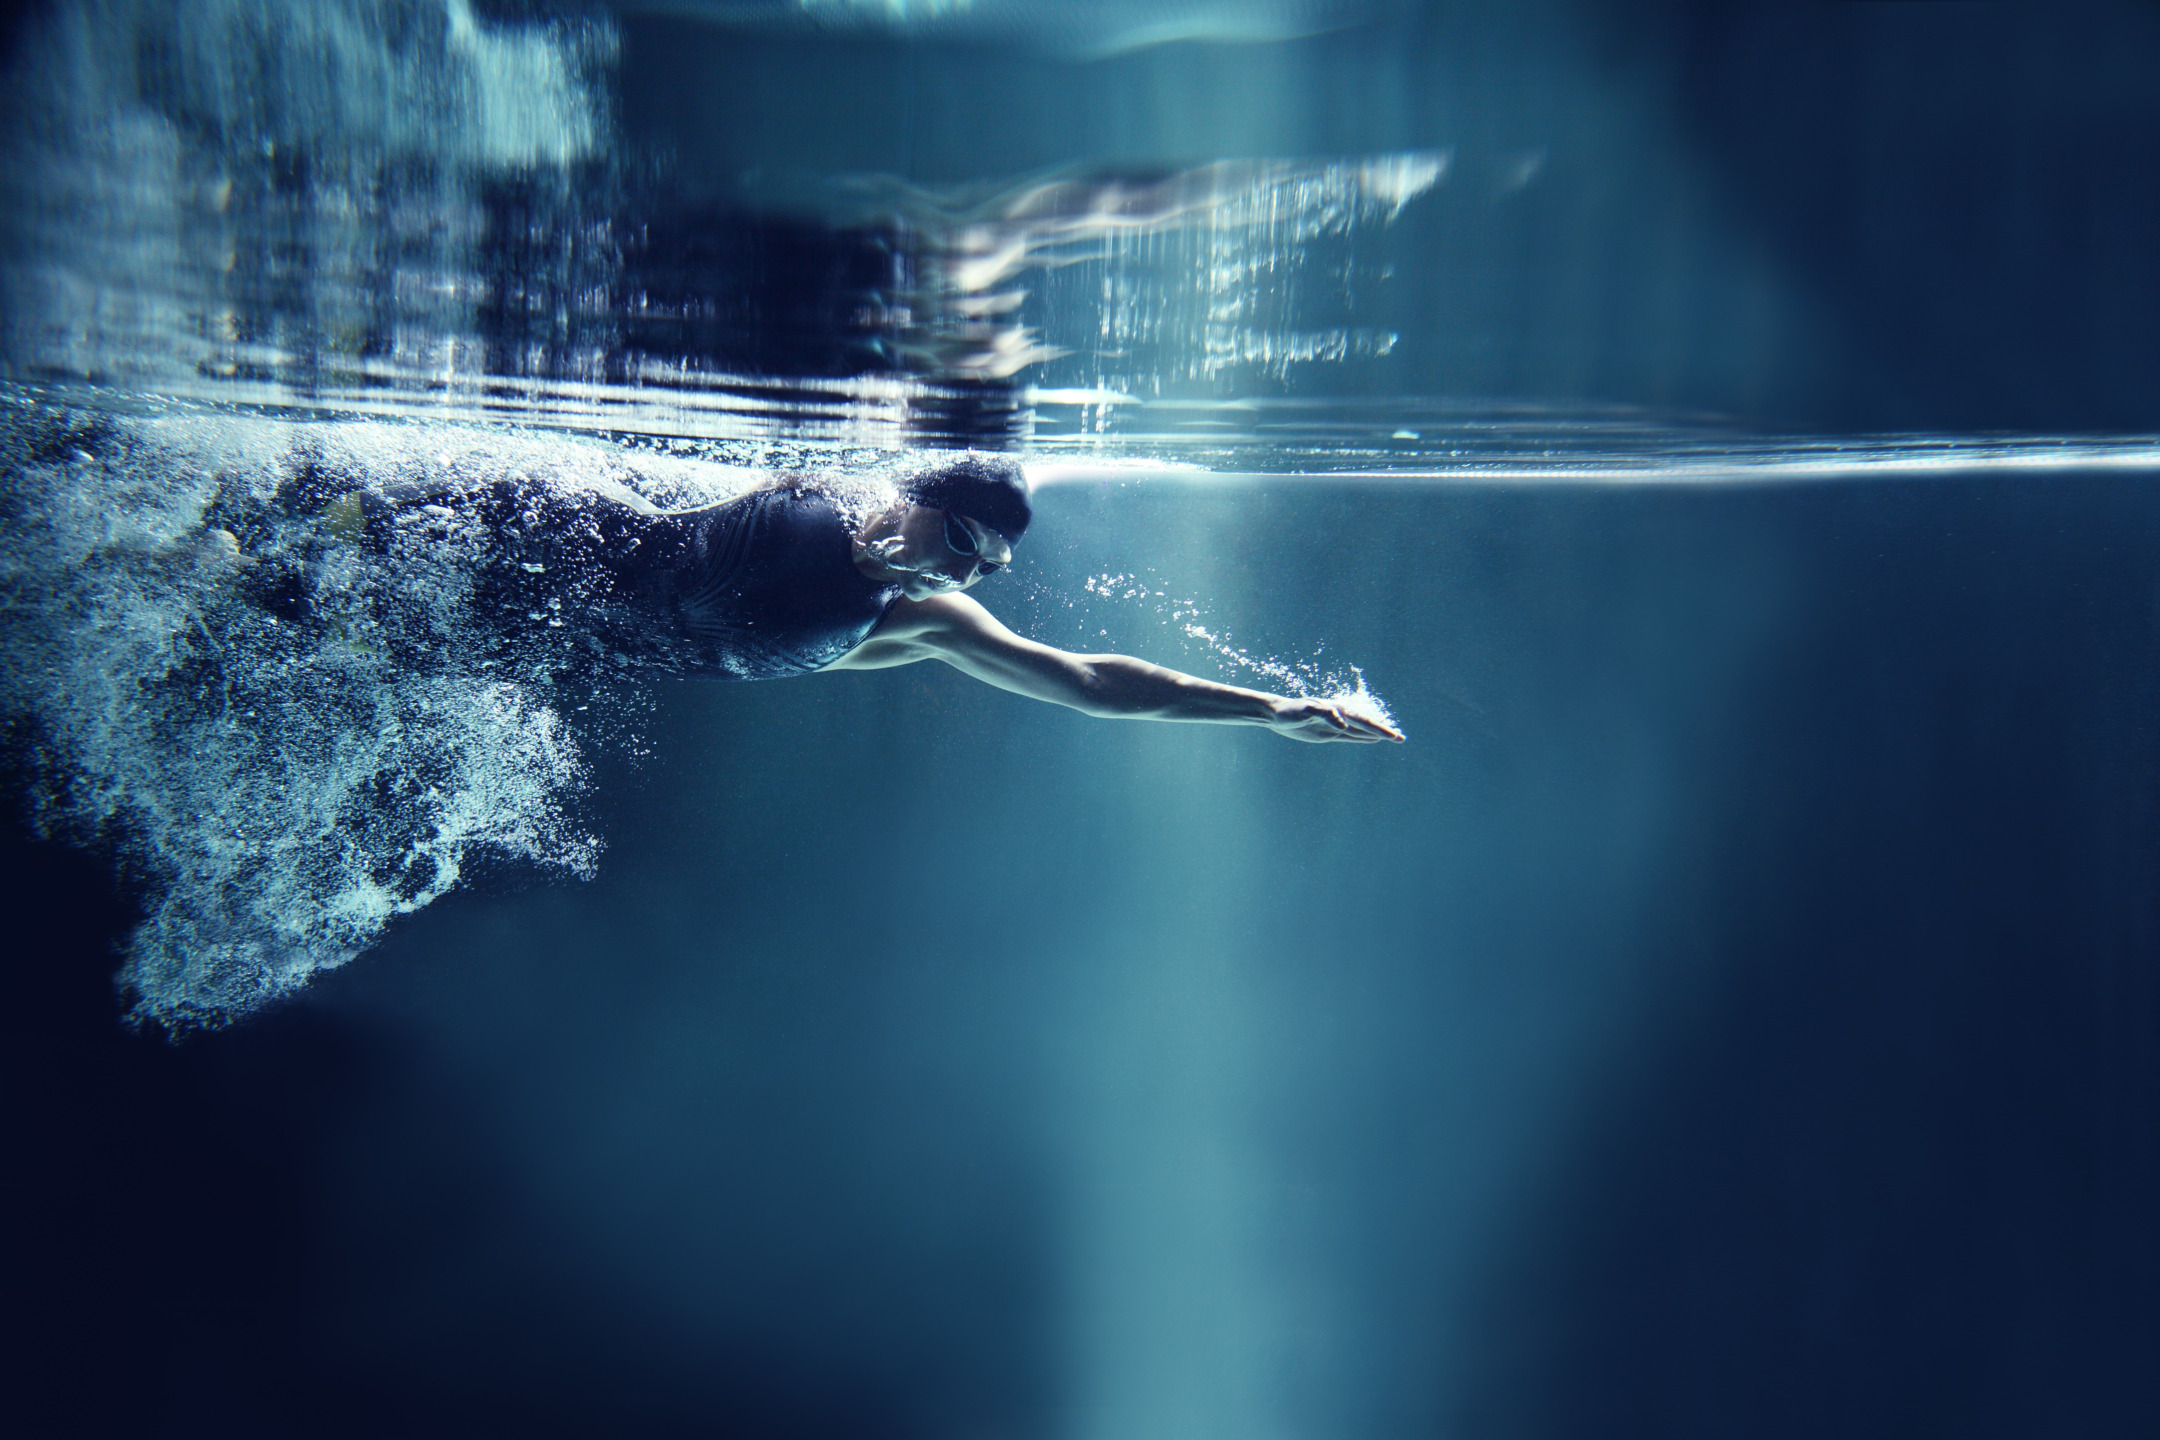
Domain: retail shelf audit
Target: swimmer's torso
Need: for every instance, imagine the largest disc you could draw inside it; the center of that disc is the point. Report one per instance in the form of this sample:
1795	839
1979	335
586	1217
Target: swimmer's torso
759	588
766	586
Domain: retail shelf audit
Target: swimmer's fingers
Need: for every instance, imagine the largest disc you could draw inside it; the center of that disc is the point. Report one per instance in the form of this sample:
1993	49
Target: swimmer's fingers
1379	730
1318	721
1348	725
1369	728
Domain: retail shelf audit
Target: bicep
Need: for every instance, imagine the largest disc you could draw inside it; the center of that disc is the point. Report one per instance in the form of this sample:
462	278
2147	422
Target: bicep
959	631
880	654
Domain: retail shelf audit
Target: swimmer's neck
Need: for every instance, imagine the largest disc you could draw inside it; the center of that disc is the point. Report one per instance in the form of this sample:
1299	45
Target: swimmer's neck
872	549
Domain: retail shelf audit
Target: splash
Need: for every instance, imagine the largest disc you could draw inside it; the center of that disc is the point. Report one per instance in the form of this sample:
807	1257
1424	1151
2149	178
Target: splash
1308	679
289	728
1357	699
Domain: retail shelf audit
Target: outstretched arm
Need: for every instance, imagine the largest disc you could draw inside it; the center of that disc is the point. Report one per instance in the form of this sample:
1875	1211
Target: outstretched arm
957	630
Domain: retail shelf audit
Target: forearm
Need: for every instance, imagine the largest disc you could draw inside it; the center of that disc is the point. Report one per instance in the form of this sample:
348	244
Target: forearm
1120	686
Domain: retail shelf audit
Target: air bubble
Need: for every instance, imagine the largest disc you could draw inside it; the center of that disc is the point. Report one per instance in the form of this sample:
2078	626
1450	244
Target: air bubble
271	805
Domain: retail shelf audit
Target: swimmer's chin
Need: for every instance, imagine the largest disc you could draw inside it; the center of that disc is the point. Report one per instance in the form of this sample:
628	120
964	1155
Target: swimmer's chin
921	585
890	555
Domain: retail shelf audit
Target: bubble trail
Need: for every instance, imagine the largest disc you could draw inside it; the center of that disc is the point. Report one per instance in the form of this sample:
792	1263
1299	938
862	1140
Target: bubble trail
1306	679
290	721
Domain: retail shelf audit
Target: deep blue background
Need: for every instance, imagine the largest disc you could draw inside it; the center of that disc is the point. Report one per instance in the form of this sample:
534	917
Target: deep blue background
1768	891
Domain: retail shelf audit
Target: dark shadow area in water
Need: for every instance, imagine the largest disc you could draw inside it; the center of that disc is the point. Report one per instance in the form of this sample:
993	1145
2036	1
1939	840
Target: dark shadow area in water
159	1198
1970	189
1897	1168
192	1252
299	1226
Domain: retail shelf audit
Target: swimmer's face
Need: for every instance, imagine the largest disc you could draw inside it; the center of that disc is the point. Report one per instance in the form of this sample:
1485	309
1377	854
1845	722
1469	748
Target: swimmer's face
928	551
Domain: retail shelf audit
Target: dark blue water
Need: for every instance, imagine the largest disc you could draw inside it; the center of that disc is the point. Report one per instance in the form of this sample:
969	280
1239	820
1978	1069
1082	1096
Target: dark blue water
1734	1011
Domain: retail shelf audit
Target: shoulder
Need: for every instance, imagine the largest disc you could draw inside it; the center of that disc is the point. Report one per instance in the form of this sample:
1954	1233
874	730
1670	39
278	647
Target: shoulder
943	627
950	627
931	618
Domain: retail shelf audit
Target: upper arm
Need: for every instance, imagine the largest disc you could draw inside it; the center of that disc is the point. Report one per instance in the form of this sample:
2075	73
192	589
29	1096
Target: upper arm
959	631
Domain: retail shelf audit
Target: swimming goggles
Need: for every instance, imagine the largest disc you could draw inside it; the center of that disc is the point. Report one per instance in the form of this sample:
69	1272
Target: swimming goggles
961	541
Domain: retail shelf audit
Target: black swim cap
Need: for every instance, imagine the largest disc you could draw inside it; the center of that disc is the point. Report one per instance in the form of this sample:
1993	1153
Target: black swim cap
988	489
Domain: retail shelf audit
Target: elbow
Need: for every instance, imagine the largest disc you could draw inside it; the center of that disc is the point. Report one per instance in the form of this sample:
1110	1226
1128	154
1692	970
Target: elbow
1117	687
1093	694
1099	691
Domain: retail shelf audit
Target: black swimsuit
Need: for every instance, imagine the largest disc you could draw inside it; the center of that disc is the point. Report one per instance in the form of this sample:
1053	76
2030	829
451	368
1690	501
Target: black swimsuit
762	587
766	586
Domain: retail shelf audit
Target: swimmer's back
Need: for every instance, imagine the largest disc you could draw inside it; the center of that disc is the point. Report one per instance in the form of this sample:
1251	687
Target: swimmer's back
766	586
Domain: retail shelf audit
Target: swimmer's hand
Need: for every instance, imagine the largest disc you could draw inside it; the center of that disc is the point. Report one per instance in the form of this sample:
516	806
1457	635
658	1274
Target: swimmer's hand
1323	720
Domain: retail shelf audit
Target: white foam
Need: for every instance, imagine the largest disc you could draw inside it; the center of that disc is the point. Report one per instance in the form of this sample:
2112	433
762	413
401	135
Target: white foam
281	785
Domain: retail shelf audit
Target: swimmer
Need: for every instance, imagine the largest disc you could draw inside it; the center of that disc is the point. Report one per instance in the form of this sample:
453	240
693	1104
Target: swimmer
782	582
955	526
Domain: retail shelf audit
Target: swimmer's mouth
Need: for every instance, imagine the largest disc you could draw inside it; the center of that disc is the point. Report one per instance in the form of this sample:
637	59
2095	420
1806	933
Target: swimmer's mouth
889	551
